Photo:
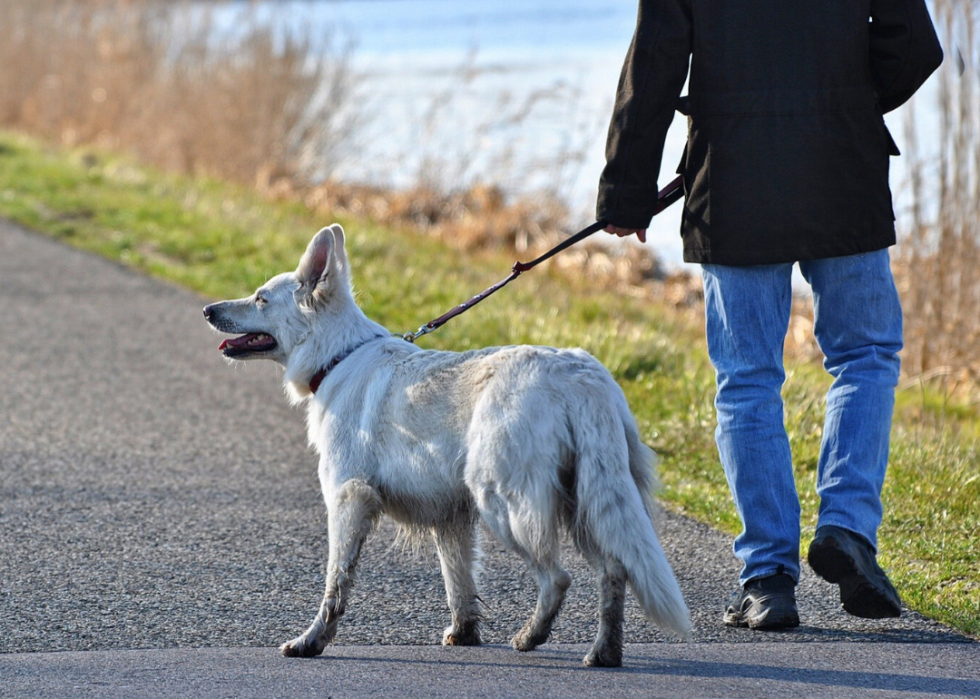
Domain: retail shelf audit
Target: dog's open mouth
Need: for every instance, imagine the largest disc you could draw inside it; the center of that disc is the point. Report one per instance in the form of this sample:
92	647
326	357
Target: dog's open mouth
250	343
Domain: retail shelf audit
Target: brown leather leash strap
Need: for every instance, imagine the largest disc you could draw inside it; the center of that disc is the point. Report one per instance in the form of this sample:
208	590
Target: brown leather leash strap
667	196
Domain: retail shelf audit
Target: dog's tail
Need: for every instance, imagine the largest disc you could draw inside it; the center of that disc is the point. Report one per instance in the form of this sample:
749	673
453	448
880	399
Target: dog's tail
616	506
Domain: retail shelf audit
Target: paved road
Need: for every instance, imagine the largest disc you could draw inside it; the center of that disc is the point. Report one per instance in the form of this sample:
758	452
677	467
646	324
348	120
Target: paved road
151	497
751	670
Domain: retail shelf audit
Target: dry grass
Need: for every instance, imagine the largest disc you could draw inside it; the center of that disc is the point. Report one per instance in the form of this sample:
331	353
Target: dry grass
938	265
481	217
157	80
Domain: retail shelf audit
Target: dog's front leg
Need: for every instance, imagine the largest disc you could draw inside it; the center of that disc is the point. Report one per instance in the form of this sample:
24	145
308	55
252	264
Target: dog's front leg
351	515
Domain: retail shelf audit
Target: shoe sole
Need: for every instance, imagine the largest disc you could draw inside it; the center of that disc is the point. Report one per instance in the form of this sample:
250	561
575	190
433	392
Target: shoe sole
859	596
763	624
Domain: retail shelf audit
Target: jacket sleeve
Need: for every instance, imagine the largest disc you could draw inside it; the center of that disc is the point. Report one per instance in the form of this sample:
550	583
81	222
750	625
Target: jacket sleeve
904	49
651	81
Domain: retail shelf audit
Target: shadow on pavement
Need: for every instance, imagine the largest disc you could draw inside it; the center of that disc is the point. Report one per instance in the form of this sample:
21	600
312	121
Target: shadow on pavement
557	660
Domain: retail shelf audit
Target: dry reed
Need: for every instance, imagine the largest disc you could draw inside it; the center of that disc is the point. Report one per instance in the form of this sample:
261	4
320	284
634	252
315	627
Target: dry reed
156	79
938	260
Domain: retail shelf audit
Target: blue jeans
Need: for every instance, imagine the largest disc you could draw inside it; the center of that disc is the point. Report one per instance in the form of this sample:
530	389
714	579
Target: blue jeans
858	325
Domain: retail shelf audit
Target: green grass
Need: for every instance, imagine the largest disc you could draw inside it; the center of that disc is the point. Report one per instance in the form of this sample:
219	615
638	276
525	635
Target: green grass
223	241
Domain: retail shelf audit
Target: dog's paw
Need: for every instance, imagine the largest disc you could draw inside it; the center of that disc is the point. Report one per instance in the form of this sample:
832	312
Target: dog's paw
526	640
603	657
302	647
467	635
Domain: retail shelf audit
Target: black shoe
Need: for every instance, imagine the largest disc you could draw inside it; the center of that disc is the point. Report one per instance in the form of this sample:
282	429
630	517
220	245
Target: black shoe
764	603
846	559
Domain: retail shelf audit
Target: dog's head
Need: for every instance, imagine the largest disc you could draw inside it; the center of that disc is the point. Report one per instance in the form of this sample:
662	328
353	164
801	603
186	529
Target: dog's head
286	310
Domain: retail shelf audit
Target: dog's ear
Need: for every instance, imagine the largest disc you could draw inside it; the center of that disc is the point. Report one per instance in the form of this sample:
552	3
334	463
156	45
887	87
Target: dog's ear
339	253
315	265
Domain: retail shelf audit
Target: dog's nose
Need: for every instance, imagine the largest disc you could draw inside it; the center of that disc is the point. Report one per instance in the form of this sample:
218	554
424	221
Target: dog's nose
208	312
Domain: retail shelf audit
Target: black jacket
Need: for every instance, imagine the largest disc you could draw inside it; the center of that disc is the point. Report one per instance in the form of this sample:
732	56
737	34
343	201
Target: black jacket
787	151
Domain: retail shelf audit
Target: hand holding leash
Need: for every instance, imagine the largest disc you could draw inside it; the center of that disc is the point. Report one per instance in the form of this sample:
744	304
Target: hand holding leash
641	233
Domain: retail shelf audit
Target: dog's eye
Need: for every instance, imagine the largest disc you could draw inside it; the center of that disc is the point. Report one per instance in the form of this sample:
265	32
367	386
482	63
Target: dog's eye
260	300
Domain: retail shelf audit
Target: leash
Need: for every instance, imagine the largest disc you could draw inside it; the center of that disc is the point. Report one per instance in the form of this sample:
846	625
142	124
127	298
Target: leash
665	197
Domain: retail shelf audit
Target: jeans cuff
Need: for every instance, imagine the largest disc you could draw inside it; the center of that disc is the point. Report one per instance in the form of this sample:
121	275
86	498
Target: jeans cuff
779	569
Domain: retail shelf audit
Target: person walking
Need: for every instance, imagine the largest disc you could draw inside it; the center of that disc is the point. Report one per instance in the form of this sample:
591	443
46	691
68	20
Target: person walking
786	162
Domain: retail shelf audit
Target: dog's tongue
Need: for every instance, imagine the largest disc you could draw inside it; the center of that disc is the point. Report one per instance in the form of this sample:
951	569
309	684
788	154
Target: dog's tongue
236	342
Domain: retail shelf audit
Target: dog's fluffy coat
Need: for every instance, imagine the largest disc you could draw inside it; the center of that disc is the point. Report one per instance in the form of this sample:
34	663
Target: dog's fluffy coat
530	440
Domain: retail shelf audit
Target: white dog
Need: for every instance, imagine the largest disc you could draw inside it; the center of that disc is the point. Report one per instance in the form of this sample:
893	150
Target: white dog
529	439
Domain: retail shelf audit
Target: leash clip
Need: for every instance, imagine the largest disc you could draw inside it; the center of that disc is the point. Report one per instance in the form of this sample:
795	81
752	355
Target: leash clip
423	330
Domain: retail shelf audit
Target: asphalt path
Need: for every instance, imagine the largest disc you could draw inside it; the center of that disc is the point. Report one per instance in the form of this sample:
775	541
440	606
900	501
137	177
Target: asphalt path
161	530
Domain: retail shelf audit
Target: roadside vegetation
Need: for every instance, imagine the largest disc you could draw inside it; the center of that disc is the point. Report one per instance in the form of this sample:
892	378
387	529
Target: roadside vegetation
938	266
224	239
166	82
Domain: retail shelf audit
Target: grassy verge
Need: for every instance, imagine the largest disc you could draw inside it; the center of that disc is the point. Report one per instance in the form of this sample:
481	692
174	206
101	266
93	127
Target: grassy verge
223	241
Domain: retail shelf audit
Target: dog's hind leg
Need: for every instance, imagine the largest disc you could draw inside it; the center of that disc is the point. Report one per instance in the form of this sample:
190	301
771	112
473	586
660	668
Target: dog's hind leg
553	581
457	549
351	515
531	535
607	651
525	519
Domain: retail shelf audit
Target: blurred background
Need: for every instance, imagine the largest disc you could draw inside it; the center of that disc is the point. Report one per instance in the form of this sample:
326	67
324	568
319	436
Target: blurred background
482	123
